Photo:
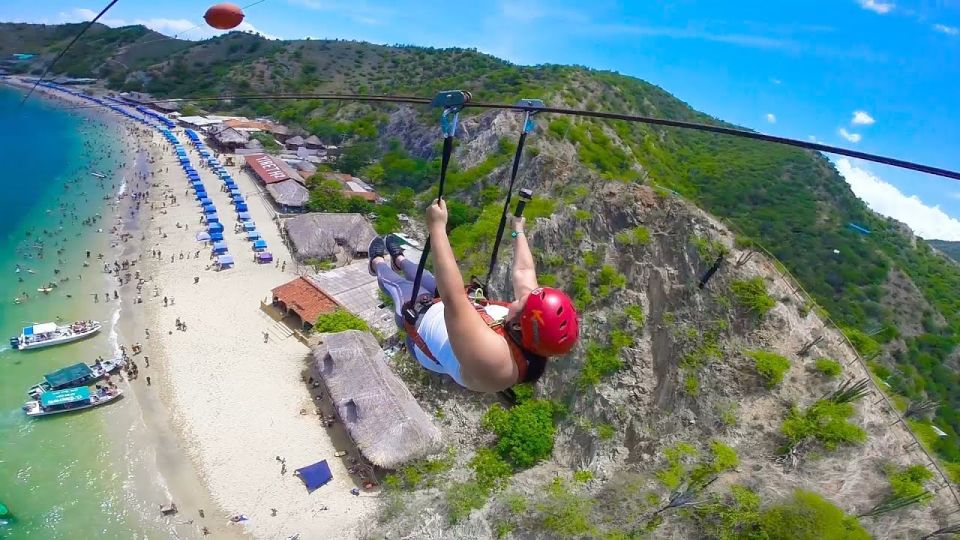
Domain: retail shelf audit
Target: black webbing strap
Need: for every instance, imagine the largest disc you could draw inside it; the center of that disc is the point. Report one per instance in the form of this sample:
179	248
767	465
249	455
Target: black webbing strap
506	208
409	311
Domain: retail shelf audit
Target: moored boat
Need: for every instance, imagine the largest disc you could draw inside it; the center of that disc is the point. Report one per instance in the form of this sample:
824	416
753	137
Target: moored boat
98	175
70	399
78	374
47	334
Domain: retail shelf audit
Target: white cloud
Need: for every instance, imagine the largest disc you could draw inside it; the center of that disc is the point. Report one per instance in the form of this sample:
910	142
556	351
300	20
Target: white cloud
772	118
776	81
862	118
852	137
813	138
877	6
885	198
949	30
179	28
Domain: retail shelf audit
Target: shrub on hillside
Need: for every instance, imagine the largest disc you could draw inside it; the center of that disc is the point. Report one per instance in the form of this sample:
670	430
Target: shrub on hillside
751	294
829	367
824	421
524	433
770	366
909	481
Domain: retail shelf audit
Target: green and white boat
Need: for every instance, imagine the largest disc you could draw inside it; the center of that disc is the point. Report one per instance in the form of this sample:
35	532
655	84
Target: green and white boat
71	399
79	374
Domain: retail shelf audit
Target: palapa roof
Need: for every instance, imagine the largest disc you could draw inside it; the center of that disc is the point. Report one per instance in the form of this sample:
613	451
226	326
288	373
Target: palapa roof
289	193
305	298
314	140
278	129
317	235
295	141
381	415
231	136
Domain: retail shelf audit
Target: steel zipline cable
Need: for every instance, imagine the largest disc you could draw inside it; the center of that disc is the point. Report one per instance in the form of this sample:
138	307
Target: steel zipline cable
666	122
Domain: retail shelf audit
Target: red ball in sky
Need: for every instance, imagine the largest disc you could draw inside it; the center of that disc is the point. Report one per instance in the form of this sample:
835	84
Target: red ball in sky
224	16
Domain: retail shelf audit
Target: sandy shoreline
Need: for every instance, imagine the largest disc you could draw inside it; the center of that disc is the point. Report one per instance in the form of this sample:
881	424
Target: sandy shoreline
237	399
222	404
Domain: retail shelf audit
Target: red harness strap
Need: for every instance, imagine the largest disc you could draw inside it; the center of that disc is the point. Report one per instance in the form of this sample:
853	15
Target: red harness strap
516	353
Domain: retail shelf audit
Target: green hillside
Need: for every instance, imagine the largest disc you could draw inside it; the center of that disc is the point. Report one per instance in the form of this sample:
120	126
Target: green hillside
790	201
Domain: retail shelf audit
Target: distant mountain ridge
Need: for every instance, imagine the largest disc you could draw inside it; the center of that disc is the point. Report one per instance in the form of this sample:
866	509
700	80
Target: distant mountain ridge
951	248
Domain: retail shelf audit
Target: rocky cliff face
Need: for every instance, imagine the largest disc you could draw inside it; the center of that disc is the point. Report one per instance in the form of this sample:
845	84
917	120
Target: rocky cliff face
685	377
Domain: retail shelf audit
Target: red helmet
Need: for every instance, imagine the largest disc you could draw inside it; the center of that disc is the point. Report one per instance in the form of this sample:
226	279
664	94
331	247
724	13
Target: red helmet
548	322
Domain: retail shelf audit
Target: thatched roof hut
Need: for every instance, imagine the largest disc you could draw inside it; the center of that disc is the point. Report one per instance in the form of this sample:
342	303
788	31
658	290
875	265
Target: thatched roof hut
321	235
294	142
289	194
378	411
313	142
230	139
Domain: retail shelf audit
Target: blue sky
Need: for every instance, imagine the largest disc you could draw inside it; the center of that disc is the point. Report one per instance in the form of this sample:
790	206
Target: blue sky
797	69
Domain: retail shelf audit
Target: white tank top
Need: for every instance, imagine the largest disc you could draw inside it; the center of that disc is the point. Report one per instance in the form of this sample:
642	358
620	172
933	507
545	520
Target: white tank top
433	330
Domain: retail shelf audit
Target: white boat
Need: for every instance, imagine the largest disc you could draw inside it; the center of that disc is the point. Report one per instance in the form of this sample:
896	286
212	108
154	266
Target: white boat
79	374
71	399
98	175
47	334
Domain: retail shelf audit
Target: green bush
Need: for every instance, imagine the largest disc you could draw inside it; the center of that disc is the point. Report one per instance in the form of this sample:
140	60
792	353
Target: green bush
464	497
605	432
807	515
582	215
609	279
722	458
672	475
489	468
865	345
524	433
599	361
635	314
338	321
637	236
751	294
564	512
829	367
770	366
804	516
824	421
908	481
582	477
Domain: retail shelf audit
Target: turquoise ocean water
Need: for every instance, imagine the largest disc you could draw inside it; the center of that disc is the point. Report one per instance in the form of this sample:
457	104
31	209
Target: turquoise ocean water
58	475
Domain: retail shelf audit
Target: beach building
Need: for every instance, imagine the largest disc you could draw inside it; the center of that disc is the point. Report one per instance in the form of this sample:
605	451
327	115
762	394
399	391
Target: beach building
355	289
327	236
313	142
271	170
293	143
250	126
379	413
279	132
353	186
197	122
229	139
303	299
289	195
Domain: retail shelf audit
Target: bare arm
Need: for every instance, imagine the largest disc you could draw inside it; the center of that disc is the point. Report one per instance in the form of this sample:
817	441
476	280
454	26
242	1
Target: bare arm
524	270
485	363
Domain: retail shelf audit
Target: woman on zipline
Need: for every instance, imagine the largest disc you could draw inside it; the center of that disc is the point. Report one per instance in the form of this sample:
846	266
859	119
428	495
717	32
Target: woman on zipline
485	346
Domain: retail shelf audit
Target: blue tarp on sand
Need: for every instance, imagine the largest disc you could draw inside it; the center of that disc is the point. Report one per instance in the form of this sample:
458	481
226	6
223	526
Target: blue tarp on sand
220	247
260	245
242	207
225	260
215	228
203	237
249	226
216	236
314	476
243	216
253	235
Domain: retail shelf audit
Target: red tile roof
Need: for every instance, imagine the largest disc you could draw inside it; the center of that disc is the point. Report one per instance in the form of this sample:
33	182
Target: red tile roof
304	297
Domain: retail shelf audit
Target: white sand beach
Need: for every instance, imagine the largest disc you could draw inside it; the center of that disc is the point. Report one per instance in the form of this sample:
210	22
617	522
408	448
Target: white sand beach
237	400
